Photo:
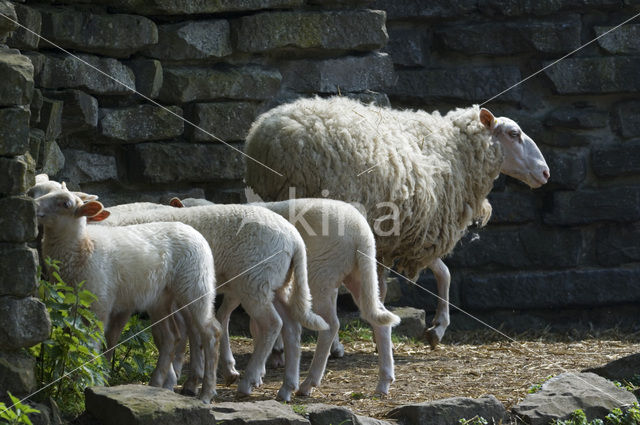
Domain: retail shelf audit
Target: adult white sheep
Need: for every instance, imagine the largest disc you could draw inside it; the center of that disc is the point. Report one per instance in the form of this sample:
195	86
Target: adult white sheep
256	252
432	172
144	267
340	248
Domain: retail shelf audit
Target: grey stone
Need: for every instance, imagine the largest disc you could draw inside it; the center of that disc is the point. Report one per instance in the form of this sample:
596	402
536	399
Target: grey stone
407	46
23	322
415	9
114	35
513	207
182	84
140	123
16	84
616	159
551	35
562	395
550	290
566	138
51	118
618	204
352	73
21	38
368	96
624	368
595	75
412	322
192	40
449	411
36	143
577	118
626	118
17	372
60	72
268	412
163	197
365	420
179	162
624	40
568	169
18	270
37	60
144	405
79	110
334	30
618	244
229	121
36	104
148	73
7	25
13	176
17	219
324	414
14	131
172	7
477	83
84	167
523	247
537	7
52	158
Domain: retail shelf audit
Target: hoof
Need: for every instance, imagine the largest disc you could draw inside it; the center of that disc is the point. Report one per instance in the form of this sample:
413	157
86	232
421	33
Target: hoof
284	394
337	351
276	359
431	337
231	378
305	389
382	390
188	392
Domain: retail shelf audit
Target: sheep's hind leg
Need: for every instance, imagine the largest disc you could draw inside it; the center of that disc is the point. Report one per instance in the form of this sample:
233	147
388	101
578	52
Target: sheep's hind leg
325	306
269	324
276	358
229	371
291	330
441	319
165	341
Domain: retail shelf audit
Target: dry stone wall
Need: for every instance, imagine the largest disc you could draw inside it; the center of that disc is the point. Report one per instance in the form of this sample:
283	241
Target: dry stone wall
566	252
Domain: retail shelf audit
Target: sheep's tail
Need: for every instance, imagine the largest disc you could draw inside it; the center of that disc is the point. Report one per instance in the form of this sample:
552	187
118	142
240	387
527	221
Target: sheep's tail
371	308
300	297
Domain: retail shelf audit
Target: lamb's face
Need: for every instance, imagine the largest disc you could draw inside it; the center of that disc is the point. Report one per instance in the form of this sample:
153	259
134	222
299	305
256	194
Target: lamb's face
57	208
522	158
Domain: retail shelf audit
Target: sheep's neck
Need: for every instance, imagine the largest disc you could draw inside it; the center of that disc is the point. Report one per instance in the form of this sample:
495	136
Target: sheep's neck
71	245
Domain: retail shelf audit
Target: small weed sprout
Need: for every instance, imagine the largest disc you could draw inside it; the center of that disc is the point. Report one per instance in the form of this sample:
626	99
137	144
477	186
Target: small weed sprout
476	420
18	414
537	387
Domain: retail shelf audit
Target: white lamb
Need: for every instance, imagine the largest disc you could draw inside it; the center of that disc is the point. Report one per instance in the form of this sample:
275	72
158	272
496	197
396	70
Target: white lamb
144	267
421	178
256	253
340	248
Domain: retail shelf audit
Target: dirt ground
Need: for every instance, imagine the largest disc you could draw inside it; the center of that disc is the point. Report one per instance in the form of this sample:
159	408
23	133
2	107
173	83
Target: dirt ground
465	364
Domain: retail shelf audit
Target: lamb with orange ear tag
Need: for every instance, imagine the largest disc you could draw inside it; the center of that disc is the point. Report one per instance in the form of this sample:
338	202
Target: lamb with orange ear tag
144	267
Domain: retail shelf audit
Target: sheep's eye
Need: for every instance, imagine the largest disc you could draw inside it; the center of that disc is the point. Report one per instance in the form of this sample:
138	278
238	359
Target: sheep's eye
514	133
68	203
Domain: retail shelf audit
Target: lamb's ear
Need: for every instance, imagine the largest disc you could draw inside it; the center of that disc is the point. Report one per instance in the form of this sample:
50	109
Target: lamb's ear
42	178
176	202
99	217
487	119
85	196
89	209
63	185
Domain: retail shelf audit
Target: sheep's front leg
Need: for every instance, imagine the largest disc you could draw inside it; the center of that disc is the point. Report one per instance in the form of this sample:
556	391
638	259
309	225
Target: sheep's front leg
268	327
441	319
291	339
229	371
112	329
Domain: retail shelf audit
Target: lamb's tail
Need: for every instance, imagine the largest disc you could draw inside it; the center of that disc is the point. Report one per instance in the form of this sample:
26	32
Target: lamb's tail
371	308
300	298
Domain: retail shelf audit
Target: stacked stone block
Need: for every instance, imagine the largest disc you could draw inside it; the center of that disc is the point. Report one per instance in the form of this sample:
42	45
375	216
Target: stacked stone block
23	318
569	249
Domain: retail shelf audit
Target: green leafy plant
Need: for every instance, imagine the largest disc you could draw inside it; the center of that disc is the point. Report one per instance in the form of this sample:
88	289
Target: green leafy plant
537	387
16	413
630	416
476	420
300	409
356	331
69	360
134	360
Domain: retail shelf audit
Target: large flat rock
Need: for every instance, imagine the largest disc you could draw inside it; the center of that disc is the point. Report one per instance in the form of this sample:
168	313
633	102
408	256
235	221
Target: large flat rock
450	411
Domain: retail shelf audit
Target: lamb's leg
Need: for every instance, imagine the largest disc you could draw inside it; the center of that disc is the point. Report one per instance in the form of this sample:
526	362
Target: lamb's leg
269	324
276	358
181	347
229	371
209	332
441	319
164	338
112	329
196	356
291	331
386	374
337	349
324	304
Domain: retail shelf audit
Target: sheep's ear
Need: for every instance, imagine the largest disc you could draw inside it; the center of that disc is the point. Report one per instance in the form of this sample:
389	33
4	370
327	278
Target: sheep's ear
99	217
487	119
89	209
63	186
176	202
42	178
85	196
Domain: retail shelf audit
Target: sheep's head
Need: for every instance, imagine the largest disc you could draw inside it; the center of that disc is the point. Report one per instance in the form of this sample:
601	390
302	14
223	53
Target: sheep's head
61	208
522	158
